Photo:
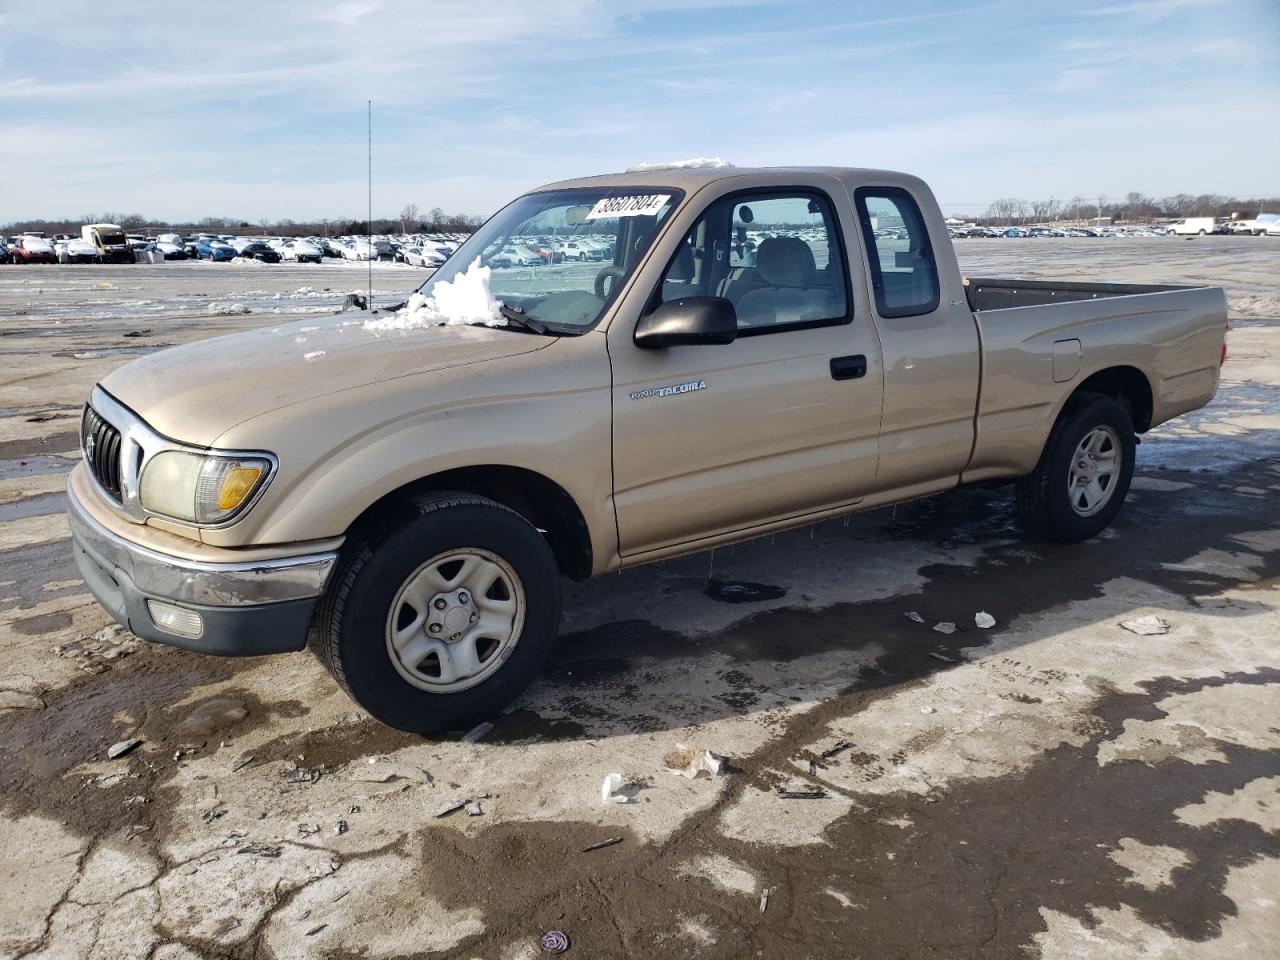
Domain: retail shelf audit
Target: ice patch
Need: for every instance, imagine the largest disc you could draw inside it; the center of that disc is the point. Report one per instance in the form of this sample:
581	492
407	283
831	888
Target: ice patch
313	355
696	163
466	299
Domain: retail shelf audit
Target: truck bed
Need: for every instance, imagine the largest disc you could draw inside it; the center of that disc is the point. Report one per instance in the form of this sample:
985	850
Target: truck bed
1167	339
1001	293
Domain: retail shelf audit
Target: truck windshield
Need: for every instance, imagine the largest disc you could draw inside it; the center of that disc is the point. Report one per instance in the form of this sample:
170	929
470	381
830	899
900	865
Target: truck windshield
561	257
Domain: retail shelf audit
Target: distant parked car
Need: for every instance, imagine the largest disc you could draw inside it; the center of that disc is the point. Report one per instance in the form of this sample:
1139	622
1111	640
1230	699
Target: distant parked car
1273	228
422	257
259	250
171	246
32	250
76	250
302	251
4	250
210	248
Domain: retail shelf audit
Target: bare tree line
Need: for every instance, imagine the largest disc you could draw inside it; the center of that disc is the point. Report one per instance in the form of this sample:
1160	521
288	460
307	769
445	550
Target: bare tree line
410	220
1135	207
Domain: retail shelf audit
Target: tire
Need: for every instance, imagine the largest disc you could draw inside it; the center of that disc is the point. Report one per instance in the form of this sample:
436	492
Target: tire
1048	504
367	603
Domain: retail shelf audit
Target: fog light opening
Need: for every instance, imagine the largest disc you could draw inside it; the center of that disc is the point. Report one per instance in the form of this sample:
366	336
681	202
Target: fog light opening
176	620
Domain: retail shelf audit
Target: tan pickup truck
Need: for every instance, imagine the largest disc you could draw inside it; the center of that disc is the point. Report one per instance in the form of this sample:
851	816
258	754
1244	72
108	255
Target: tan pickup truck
725	354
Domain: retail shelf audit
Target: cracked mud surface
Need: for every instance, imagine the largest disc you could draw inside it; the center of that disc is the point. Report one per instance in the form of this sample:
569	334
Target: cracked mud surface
1056	786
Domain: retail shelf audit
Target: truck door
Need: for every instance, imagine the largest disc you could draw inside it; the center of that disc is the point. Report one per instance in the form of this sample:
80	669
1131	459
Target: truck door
932	363
780	423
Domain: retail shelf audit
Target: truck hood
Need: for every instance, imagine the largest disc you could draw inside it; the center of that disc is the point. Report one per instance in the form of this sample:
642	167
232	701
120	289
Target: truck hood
197	392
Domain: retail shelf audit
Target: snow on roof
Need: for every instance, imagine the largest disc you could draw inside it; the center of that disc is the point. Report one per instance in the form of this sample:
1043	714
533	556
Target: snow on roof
697	163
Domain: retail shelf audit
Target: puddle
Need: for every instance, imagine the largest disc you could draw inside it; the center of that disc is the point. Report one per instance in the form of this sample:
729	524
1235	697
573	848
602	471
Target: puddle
37	506
35	467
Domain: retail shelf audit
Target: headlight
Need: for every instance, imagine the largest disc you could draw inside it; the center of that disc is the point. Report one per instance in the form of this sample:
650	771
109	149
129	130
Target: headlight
201	488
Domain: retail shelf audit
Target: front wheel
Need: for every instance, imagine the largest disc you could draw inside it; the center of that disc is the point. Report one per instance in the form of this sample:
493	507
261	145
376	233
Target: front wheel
1084	472
437	620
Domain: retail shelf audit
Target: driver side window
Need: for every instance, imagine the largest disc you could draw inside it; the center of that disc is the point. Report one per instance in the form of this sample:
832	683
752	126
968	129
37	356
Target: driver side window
775	256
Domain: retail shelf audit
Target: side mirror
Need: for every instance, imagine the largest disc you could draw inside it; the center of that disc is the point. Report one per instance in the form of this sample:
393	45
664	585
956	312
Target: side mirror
687	321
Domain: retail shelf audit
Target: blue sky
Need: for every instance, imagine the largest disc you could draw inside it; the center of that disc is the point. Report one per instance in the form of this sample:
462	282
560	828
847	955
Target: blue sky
257	110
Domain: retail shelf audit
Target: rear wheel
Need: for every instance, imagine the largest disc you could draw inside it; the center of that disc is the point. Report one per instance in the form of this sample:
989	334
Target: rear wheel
441	618
1084	472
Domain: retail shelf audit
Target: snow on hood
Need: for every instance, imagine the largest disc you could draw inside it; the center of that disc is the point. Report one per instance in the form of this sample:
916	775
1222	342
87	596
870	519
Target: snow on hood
466	300
697	163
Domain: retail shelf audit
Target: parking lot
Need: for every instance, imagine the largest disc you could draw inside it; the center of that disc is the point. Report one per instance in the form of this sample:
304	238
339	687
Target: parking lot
1058	785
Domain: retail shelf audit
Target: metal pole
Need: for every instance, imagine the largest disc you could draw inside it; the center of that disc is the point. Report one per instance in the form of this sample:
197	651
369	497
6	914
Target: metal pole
369	222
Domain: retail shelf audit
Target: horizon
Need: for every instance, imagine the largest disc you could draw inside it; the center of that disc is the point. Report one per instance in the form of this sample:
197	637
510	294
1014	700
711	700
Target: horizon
262	116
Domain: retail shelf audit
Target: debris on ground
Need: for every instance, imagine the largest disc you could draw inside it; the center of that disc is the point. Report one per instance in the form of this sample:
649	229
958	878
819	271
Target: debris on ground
983	620
384	771
340	828
914	617
451	807
267	850
838	747
216	812
693	763
314	930
553	941
614	788
602	844
941	656
242	763
925	708
1148	626
308	829
122	747
741	591
945	627
297	774
478	732
815	794
93	653
764	899
474	809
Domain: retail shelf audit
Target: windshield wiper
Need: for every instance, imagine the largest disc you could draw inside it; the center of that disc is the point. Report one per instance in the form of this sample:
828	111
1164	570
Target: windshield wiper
519	318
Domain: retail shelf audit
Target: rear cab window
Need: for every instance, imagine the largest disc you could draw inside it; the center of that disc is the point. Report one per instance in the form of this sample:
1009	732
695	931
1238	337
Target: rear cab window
774	253
904	273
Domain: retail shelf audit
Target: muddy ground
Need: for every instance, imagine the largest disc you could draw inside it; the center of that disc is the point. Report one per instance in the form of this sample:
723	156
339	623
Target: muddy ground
1054	786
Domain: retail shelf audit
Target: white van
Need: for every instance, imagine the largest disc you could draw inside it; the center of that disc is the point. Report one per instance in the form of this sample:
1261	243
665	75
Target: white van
1193	226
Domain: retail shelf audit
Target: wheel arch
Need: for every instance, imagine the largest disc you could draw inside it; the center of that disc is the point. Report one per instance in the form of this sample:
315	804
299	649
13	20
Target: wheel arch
1129	386
537	498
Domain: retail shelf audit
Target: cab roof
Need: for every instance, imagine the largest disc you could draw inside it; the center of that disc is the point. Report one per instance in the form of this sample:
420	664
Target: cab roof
692	179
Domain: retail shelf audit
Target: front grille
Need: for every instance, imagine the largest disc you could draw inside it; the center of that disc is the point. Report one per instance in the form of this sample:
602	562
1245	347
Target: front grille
100	442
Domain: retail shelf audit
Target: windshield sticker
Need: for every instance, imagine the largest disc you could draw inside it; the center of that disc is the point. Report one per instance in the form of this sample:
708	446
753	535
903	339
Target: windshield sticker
642	205
671	391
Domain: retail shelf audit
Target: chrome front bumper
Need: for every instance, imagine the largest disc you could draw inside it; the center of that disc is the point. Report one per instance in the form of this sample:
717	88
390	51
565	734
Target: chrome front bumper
246	608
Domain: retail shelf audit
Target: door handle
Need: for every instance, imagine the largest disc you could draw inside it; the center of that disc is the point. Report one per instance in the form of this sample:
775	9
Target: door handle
848	368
